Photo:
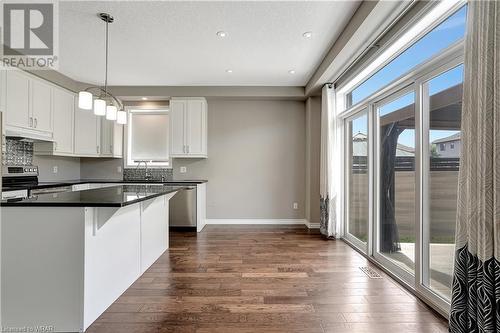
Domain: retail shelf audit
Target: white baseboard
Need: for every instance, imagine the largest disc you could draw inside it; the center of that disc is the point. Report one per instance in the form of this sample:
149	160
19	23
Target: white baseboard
312	225
256	221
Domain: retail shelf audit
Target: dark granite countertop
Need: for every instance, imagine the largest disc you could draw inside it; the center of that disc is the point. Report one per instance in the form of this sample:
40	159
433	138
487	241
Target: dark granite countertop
99	181
113	196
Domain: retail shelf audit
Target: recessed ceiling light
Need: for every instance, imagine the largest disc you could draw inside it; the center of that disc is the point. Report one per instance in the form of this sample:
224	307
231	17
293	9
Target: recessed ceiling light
291	71
229	70
221	34
307	34
144	98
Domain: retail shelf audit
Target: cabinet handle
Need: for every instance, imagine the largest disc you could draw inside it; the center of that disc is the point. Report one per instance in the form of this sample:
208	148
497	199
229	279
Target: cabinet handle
184	149
36	122
55	145
187	149
98	149
31	121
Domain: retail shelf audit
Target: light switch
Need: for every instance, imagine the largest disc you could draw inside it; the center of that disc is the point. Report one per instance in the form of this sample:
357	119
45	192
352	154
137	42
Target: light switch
55	169
295	206
183	169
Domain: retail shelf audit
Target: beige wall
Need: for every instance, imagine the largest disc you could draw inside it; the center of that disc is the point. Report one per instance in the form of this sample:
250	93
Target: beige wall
256	164
68	168
101	168
313	145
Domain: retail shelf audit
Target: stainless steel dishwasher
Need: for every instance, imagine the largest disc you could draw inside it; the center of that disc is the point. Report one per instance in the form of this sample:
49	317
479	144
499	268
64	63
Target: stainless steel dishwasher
182	208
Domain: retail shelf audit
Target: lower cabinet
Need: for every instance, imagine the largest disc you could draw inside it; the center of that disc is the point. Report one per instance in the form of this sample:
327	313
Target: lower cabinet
62	267
112	256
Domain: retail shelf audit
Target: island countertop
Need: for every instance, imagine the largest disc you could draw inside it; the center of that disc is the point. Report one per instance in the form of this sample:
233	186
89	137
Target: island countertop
114	196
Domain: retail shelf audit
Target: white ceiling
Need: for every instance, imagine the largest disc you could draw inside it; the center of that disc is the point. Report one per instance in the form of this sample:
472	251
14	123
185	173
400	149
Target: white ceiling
175	43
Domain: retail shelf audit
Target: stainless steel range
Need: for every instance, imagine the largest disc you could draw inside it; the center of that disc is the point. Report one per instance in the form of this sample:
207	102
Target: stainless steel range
17	179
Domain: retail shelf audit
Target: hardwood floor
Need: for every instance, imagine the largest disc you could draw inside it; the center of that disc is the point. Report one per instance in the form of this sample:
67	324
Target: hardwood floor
263	279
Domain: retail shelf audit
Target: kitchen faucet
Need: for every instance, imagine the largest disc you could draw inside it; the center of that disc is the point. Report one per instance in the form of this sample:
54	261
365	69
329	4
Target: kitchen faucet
147	175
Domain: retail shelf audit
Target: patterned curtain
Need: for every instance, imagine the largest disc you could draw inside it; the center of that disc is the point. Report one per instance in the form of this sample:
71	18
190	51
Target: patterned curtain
475	305
329	166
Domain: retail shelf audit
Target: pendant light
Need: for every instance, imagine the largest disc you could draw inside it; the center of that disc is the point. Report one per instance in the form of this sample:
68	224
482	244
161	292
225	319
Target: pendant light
111	111
104	104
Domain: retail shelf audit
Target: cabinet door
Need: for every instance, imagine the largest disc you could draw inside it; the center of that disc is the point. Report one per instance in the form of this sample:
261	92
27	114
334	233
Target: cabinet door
41	105
117	140
64	110
177	121
107	128
2	89
17	99
196	127
86	133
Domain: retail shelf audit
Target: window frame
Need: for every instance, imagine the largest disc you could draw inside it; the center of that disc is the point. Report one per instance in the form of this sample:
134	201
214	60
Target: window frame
447	59
128	162
346	87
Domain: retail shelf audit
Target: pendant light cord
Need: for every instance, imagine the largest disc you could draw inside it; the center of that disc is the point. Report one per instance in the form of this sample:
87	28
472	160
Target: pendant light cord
106	69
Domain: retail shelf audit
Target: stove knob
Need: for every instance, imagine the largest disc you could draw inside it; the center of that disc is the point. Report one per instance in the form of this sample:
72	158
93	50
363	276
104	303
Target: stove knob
25	169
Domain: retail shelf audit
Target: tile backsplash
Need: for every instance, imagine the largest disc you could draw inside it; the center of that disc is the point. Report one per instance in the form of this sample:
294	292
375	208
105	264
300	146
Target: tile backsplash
140	173
17	152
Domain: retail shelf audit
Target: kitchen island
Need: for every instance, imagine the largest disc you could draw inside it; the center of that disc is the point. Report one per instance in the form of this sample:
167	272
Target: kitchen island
66	257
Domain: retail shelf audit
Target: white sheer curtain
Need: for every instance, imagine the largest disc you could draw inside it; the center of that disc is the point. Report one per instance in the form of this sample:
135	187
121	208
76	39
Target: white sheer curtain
330	165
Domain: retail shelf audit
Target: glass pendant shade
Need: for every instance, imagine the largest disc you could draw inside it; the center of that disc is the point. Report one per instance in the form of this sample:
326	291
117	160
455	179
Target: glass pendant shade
111	111
85	100
99	107
121	117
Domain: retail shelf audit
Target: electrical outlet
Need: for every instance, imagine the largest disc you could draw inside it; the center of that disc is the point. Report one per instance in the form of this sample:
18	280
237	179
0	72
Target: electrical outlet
183	169
119	169
55	169
295	205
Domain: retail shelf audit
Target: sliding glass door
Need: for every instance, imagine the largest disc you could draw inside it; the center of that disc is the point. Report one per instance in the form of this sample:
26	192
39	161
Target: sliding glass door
395	182
442	104
357	182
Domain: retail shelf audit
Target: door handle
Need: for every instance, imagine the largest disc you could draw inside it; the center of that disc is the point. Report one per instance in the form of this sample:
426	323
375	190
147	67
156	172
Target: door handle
36	122
31	121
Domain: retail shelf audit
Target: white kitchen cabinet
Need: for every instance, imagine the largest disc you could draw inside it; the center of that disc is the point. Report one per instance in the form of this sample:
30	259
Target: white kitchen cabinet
188	127
2	89
17	104
28	106
64	112
87	133
41	106
117	140
177	127
111	138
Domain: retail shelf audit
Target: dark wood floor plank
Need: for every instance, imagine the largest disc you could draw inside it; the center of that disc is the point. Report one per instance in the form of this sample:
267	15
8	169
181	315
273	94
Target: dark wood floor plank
268	279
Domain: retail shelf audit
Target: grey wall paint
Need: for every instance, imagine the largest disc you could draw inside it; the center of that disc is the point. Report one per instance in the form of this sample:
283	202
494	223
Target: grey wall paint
68	168
256	163
101	168
313	148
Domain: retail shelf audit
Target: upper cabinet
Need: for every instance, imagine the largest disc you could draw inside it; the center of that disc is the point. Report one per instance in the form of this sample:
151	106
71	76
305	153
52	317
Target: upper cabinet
188	127
2	90
28	106
37	109
87	133
17	105
111	138
64	113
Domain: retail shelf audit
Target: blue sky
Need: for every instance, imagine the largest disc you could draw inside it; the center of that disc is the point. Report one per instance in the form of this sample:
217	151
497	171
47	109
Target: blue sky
448	32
